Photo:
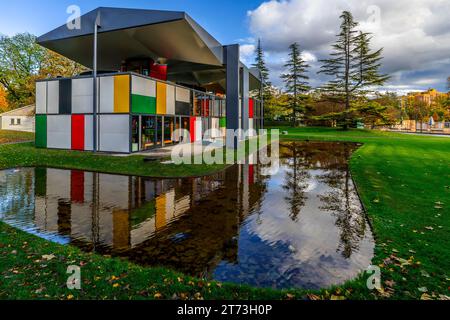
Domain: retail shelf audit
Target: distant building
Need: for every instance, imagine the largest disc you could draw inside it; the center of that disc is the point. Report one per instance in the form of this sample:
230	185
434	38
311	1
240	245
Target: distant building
428	97
21	119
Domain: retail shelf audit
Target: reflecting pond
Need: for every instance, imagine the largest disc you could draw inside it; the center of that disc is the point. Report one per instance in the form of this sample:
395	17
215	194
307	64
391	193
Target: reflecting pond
302	227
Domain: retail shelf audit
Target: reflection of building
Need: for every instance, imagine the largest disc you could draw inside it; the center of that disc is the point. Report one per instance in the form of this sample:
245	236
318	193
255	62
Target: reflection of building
150	221
161	71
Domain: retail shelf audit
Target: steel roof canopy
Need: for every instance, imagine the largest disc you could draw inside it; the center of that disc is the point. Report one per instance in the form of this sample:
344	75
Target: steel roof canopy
137	33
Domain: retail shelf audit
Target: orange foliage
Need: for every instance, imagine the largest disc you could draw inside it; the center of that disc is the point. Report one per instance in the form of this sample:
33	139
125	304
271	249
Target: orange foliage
3	101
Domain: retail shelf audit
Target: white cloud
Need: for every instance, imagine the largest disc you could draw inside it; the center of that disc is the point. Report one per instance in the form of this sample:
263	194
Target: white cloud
415	34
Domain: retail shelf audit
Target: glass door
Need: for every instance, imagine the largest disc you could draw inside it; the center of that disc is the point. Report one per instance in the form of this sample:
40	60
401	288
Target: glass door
169	127
148	133
159	131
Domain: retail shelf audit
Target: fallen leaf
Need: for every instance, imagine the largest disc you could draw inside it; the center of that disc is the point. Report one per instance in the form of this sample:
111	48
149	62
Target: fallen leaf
425	296
158	295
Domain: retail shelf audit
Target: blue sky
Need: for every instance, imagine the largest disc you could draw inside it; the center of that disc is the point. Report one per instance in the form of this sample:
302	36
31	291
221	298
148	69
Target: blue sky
415	34
226	20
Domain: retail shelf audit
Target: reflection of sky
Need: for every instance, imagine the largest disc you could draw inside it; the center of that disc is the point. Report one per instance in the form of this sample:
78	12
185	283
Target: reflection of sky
274	250
301	253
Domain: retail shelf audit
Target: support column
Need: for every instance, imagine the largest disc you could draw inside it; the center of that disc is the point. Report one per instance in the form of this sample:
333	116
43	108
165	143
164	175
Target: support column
231	59
245	97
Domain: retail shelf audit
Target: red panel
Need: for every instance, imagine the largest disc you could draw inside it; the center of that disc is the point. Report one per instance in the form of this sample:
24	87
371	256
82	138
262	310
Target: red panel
159	72
205	105
251	108
251	174
192	128
77	132
77	186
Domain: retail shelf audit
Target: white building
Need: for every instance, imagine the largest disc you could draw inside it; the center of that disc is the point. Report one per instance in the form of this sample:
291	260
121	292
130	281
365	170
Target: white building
21	119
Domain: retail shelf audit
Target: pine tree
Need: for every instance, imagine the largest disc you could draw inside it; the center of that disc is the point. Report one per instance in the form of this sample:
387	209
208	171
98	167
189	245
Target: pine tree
260	64
296	82
353	65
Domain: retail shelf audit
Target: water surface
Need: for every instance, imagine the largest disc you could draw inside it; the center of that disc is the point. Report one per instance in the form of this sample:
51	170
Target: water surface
302	227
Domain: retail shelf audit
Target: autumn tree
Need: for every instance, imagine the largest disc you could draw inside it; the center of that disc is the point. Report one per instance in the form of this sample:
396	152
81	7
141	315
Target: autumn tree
353	66
296	82
22	61
3	101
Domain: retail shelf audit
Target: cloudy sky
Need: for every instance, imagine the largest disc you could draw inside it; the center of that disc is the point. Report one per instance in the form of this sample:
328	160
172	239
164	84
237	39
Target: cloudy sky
415	34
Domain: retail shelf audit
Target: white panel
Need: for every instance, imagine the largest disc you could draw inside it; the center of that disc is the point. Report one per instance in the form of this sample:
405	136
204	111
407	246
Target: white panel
58	184
59	132
250	127
41	97
114	191
198	129
183	95
215	126
170	105
88	133
115	133
82	95
106	94
143	87
81	220
53	97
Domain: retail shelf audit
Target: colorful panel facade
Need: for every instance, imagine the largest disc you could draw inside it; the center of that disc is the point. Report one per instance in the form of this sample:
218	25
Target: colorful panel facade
122	94
143	96
251	106
41	131
78	132
82	96
192	122
106	93
59	132
114	133
88	133
41	97
182	101
161	98
170	100
198	129
53	97
65	96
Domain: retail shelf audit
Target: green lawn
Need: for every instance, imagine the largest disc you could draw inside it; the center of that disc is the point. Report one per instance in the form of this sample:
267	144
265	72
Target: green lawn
7	136
403	180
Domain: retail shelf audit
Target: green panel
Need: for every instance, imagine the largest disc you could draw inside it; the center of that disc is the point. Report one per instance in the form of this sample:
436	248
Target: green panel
223	122
40	184
41	131
143	104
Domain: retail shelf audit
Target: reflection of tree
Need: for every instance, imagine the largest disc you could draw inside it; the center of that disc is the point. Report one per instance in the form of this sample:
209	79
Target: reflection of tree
296	179
344	203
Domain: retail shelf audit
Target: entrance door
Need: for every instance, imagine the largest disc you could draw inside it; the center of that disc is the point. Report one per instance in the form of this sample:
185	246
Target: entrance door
148	132
159	131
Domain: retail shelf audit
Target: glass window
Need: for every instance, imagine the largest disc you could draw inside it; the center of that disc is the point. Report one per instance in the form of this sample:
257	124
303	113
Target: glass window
135	133
169	125
18	122
148	133
12	122
197	105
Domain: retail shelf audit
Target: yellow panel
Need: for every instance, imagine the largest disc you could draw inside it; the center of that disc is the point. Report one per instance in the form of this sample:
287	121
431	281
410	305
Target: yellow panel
122	94
161	98
121	229
161	212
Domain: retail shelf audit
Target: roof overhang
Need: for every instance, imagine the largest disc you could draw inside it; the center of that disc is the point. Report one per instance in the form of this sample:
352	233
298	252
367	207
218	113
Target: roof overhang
192	54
